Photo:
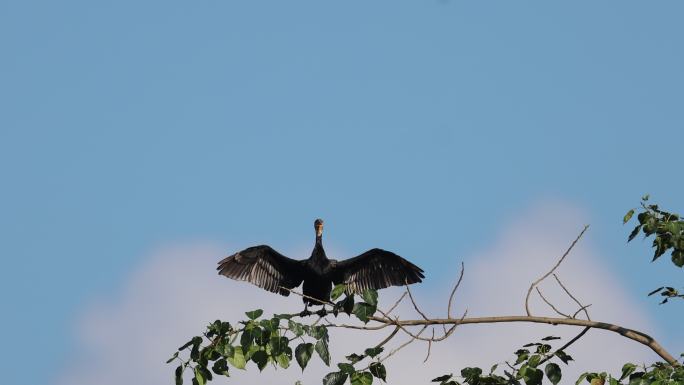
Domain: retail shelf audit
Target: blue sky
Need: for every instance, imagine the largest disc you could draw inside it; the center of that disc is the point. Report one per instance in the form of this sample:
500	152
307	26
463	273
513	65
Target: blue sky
418	127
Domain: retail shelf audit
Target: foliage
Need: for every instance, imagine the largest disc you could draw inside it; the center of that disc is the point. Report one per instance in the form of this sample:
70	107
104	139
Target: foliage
668	231
657	374
525	369
276	341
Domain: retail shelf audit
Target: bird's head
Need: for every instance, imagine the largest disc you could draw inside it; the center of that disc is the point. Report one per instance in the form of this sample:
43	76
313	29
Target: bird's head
318	225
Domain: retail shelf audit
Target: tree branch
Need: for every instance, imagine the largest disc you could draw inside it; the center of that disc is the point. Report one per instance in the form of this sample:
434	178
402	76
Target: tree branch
623	331
535	283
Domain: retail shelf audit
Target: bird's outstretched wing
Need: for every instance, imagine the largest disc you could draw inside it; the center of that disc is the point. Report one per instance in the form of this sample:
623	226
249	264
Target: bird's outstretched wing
375	269
263	267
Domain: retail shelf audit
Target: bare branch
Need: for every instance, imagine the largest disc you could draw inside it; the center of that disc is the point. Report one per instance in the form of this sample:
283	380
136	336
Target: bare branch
572	341
429	346
401	346
551	305
579	310
535	283
415	305
582	307
623	331
307	297
389	337
396	304
453	291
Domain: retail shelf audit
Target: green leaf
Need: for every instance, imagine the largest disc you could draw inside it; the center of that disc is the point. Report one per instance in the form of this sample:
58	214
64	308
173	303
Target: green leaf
361	378
354	358
322	350
634	233
549	338
371	297
179	375
534	361
442	378
335	378
522	355
295	328
378	370
363	311
198	376
471	374
246	340
268	325
656	290
628	216
533	376
194	341
553	372
372	352
678	258
260	358
283	360
493	368
175	355
278	345
348	304
237	358
303	354
254	314
563	356
635	378
319	332
220	367
581	378
337	291
346	368
627	369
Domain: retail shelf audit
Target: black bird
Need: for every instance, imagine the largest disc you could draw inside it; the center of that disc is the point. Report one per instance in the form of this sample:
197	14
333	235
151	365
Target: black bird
272	271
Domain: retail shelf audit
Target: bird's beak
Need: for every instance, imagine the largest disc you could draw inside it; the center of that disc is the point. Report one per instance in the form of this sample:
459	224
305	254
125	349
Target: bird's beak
319	230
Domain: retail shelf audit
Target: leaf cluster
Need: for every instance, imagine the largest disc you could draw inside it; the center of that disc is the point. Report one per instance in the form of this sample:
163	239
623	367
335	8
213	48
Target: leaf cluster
668	232
525	369
667	229
365	376
276	340
659	373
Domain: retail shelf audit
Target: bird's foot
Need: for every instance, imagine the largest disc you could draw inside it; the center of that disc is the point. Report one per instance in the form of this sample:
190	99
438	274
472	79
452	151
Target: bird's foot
305	313
322	312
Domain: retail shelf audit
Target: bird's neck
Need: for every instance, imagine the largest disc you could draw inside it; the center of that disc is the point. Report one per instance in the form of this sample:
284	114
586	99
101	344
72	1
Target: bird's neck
318	252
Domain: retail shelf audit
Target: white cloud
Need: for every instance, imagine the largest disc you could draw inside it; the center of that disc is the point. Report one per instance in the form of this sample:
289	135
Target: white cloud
176	292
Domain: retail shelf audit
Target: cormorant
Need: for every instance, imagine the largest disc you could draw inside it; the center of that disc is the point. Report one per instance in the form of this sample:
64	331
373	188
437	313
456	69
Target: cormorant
272	271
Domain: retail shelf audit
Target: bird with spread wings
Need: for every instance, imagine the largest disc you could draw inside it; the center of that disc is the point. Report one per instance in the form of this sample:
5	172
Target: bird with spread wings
272	271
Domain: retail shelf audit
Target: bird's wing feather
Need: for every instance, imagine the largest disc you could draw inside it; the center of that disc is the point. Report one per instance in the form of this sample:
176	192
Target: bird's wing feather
263	267
375	269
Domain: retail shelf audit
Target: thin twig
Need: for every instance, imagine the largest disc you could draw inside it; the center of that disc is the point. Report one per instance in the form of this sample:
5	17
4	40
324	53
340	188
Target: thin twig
562	348
429	346
396	304
402	346
579	310
551	305
415	305
535	283
389	337
572	296
308	297
453	291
